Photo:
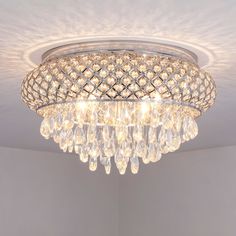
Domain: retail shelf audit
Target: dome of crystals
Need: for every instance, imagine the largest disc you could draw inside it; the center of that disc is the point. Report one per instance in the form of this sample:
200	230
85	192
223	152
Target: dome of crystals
122	106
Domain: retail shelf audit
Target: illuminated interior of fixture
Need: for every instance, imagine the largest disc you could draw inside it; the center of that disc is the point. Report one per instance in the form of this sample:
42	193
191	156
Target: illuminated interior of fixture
119	101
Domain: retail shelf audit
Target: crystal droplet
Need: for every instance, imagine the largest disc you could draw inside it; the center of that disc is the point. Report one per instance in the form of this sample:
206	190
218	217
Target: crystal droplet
91	133
157	156
141	149
68	121
122	166
109	147
62	143
108	168
126	148
107	165
69	138
167	121
138	133
121	133
70	148
58	121
125	116
151	153
193	128
134	161
152	138
176	142
44	128
108	114
169	137
155	118
162	140
93	163
190	128
79	135
83	154
94	151
106	133
77	148
79	117
56	137
178	123
51	125
118	158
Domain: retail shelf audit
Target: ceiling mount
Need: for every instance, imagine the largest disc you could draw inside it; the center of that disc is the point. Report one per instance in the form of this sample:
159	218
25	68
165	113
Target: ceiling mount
144	47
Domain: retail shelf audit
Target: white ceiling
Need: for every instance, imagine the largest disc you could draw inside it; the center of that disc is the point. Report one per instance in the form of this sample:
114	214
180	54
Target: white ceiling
28	27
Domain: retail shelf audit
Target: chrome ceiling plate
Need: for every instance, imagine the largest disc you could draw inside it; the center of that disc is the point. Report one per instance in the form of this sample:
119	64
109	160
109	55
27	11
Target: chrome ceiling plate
143	47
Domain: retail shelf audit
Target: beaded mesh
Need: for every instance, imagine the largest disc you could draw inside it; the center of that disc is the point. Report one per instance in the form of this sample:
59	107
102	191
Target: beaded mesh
118	76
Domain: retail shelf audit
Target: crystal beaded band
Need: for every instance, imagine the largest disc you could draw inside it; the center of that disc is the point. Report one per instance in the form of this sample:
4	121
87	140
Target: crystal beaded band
125	100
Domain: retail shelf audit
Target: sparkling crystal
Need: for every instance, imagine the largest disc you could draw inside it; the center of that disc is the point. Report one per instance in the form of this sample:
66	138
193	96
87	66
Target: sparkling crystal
92	163
134	164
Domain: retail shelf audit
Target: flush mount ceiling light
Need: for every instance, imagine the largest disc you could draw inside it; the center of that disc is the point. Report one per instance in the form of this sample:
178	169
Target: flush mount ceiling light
119	100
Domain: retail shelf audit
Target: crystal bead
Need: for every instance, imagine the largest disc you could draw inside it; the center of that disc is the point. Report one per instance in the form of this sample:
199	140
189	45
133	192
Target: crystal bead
134	161
45	128
79	135
92	163
83	154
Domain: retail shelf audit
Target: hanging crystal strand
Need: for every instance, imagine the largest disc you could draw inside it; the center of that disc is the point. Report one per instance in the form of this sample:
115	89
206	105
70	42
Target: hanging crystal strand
69	140
91	133
168	119
56	136
68	121
134	164
121	133
120	161
176	142
83	154
162	140
45	128
107	165
92	138
109	145
192	128
144	113
124	113
79	138
105	133
126	148
151	153
108	113
185	126
51	126
62	143
58	121
138	133
155	116
80	113
93	163
177	122
141	151
152	137
157	155
169	138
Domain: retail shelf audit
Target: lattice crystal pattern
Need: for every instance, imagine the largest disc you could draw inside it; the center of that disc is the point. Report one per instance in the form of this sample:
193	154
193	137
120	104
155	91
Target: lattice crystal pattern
118	75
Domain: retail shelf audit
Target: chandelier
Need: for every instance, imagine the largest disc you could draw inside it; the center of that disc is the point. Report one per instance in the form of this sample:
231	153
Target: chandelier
118	101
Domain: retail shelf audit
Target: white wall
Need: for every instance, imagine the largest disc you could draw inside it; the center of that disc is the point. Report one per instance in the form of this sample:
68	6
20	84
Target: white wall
47	194
186	194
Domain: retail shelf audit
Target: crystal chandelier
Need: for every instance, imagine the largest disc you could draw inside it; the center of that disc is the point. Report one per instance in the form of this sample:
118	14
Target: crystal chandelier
121	101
